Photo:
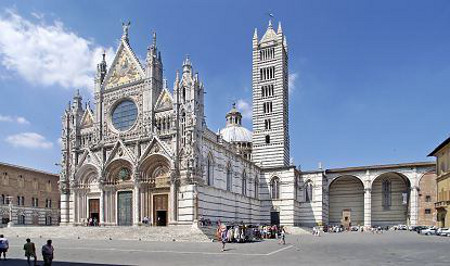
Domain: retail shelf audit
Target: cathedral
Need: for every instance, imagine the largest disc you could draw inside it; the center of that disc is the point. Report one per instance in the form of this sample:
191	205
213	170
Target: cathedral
145	153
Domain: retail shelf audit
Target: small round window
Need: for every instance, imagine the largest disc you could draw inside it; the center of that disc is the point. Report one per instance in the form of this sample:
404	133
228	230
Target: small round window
124	115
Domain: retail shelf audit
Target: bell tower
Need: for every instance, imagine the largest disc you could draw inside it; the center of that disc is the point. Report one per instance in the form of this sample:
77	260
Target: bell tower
270	99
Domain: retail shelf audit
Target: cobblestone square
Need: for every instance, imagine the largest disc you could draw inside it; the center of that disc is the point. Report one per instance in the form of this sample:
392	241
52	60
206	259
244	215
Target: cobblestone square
348	248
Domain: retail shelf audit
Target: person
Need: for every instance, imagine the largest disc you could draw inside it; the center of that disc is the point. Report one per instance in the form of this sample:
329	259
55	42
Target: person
47	253
30	251
223	236
283	236
4	246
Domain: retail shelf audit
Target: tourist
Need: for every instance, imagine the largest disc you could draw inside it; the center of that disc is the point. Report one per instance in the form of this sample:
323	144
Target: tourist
145	220
283	236
30	251
47	253
223	236
4	246
95	221
90	221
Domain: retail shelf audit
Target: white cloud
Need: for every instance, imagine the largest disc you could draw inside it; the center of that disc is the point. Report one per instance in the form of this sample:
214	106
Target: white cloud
245	108
29	140
16	119
292	81
47	54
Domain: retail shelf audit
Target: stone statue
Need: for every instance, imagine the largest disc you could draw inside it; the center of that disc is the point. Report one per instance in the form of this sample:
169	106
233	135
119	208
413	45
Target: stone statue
125	27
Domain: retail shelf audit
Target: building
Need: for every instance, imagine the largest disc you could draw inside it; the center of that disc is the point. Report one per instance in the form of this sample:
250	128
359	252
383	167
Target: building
145	150
442	154
28	196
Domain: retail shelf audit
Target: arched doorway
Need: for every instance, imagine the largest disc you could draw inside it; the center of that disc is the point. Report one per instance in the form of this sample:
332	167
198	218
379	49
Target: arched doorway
119	179
346	198
390	200
155	186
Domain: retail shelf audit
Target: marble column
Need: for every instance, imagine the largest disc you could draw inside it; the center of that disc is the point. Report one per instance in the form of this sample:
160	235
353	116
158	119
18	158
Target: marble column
173	199
102	209
367	207
136	205
414	205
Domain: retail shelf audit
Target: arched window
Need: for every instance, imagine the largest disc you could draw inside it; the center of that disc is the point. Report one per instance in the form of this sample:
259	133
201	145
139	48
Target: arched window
209	172
275	188
267	139
229	179
256	187
308	192
386	190
244	184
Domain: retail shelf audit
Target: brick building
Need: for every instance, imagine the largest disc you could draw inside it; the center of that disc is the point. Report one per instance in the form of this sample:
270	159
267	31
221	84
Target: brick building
427	198
28	196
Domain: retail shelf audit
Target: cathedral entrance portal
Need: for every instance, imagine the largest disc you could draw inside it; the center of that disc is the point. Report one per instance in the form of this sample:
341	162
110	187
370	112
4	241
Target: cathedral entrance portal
160	208
124	208
94	210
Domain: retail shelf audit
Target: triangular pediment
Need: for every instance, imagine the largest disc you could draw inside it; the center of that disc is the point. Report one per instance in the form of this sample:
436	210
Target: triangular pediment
165	101
125	68
156	146
88	119
120	151
270	35
88	157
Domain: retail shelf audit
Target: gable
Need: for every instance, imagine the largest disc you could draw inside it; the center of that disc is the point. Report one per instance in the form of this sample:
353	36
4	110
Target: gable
87	120
125	68
164	101
156	147
120	151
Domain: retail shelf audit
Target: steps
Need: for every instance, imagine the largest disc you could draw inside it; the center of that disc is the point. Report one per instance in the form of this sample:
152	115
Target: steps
144	233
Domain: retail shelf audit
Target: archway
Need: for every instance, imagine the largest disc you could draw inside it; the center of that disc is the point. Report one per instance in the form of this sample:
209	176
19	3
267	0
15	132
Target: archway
346	198
155	178
390	199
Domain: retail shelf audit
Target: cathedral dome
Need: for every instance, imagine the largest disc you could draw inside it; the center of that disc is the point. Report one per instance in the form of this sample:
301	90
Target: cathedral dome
234	131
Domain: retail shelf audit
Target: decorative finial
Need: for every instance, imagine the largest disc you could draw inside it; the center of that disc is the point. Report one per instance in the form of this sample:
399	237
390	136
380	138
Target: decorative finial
234	105
104	56
255	34
154	38
125	27
280	30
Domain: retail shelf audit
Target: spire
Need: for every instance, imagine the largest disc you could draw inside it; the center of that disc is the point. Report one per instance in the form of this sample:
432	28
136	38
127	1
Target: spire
101	68
255	34
165	86
270	24
187	65
125	28
280	30
77	101
177	79
154	39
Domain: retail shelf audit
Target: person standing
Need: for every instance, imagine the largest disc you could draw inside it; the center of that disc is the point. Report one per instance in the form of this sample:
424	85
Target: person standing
47	253
283	236
4	246
224	236
30	251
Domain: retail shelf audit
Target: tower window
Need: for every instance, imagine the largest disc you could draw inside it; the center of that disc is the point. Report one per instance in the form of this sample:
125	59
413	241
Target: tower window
267	139
267	107
267	73
267	124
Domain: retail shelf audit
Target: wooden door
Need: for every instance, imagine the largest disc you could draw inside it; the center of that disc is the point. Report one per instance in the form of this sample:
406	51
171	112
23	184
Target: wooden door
160	209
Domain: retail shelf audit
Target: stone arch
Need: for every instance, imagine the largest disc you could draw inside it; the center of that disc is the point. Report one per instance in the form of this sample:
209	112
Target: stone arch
346	200
115	171
87	174
155	166
275	185
390	199
210	169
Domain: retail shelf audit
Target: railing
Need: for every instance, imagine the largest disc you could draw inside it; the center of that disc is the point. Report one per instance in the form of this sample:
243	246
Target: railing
442	203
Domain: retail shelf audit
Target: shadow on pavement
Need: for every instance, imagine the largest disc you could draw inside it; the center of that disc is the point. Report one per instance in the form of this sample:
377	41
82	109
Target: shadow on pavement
55	263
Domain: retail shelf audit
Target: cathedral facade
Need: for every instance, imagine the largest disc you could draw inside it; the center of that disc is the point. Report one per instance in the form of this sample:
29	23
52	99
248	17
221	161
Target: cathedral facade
144	152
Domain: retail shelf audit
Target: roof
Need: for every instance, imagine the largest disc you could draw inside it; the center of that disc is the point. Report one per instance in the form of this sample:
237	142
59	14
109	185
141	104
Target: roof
27	169
384	166
438	148
236	133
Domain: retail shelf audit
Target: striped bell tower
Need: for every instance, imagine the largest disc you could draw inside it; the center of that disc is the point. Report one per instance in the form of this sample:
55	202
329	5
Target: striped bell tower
270	99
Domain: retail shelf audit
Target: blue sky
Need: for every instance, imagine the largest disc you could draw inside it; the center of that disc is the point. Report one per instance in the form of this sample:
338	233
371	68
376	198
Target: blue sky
369	79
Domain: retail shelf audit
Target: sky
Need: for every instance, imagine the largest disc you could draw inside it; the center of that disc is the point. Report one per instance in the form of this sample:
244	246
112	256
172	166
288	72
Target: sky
369	80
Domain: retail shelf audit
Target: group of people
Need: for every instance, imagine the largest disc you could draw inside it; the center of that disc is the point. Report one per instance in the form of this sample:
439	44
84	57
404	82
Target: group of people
92	221
47	250
243	233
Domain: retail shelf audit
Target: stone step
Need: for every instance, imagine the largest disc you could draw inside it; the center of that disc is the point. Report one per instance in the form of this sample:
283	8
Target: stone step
144	233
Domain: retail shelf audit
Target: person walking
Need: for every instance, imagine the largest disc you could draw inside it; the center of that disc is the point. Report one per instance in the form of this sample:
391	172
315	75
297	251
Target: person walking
223	236
47	253
30	251
4	246
283	236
